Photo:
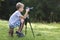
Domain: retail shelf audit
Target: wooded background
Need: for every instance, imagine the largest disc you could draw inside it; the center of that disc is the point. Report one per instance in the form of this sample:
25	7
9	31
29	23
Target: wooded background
44	10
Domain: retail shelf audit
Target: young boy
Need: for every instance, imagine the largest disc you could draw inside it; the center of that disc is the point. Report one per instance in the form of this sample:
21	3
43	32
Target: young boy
17	19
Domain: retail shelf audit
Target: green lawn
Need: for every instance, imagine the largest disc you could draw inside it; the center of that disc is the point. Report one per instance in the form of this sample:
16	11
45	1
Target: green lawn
42	31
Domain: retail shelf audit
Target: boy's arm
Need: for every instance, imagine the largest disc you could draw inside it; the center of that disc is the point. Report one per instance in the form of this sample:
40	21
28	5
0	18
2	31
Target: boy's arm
25	15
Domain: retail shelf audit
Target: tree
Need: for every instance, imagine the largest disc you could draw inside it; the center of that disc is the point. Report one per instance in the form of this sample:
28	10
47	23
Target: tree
44	10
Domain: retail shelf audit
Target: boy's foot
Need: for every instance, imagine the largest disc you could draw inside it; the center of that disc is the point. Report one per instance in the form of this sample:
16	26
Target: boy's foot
19	34
11	33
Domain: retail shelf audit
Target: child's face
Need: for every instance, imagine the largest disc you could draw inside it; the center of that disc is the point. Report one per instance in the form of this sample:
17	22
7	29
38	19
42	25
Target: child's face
21	9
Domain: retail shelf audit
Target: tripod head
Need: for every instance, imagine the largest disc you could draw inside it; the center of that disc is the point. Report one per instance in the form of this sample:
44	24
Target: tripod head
27	20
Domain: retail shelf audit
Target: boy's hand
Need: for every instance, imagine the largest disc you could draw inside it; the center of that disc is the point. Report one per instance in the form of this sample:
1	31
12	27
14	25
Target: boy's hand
27	10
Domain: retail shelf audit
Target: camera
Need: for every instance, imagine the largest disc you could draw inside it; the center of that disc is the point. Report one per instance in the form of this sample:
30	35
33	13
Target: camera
31	8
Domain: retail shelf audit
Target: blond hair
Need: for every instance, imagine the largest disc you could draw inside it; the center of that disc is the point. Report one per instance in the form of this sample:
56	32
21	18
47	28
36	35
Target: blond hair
19	5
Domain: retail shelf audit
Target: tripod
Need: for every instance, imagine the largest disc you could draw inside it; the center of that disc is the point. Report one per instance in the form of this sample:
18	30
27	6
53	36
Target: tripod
28	20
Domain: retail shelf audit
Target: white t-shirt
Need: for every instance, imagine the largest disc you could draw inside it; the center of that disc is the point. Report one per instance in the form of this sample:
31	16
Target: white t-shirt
15	19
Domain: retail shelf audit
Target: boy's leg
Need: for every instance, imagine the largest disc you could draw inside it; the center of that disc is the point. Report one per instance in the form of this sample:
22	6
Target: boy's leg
11	31
21	26
19	33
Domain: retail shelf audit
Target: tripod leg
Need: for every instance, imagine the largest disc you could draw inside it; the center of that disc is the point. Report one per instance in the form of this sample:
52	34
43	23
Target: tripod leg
25	29
31	29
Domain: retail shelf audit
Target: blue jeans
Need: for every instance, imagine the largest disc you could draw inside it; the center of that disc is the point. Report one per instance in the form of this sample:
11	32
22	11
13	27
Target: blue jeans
13	26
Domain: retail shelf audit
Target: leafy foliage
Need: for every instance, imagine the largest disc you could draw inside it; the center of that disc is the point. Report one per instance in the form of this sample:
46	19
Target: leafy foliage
44	10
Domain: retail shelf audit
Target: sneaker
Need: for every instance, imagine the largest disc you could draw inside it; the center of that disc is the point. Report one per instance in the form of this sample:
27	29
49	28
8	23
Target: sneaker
19	34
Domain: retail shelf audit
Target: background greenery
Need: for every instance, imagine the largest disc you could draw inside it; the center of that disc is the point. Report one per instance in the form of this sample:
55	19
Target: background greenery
44	10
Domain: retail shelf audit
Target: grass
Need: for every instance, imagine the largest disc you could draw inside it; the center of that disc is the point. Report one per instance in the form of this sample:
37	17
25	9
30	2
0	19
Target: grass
42	31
